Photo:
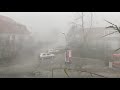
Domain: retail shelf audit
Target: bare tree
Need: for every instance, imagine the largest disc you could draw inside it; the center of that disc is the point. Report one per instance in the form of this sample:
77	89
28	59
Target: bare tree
76	23
114	27
91	25
81	17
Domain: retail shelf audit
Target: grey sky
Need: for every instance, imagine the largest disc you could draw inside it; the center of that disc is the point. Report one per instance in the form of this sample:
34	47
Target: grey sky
46	21
41	21
113	17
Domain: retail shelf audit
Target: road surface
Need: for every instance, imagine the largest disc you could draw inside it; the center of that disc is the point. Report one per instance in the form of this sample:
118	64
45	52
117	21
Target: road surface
29	66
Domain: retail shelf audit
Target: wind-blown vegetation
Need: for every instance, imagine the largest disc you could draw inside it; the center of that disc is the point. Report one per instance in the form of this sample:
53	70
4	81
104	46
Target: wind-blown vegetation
114	27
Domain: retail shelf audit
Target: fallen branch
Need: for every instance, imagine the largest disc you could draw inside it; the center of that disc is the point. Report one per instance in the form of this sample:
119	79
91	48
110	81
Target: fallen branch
66	72
82	70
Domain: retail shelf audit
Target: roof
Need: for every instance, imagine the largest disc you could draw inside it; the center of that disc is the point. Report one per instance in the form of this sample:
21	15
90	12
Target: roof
8	25
5	18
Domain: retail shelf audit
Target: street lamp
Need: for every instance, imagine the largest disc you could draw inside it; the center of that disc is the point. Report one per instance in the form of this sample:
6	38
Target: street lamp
67	52
65	39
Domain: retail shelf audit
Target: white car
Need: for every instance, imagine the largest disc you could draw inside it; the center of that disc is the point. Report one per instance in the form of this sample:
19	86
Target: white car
46	56
50	50
53	51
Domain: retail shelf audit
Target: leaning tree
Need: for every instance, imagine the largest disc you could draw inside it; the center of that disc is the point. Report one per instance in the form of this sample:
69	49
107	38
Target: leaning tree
114	27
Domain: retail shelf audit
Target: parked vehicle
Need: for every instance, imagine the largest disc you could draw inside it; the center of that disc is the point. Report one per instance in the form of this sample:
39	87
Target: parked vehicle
46	56
50	50
54	51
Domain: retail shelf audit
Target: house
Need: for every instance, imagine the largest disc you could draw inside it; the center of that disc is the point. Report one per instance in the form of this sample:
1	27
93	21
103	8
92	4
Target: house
12	36
95	35
97	46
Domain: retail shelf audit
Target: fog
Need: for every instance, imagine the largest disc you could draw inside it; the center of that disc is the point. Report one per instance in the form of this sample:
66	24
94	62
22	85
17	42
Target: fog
45	21
48	30
41	21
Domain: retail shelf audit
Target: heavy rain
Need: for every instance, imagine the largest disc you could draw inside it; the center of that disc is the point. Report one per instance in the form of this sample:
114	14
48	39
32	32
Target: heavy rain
59	45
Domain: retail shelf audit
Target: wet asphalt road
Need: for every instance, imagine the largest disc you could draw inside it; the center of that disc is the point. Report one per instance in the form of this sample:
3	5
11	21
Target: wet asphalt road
31	67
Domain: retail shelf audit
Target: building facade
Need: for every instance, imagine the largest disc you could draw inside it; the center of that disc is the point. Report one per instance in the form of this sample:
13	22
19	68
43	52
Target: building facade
12	36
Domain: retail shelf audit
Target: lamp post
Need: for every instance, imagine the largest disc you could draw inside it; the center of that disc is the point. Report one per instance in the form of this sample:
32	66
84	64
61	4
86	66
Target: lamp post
65	39
67	52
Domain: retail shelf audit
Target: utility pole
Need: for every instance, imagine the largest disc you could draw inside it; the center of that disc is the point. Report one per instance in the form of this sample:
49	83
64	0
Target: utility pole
83	22
91	24
91	21
83	26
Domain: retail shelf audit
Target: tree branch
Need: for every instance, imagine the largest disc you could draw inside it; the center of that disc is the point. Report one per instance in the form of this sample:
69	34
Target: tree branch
115	27
110	34
117	49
